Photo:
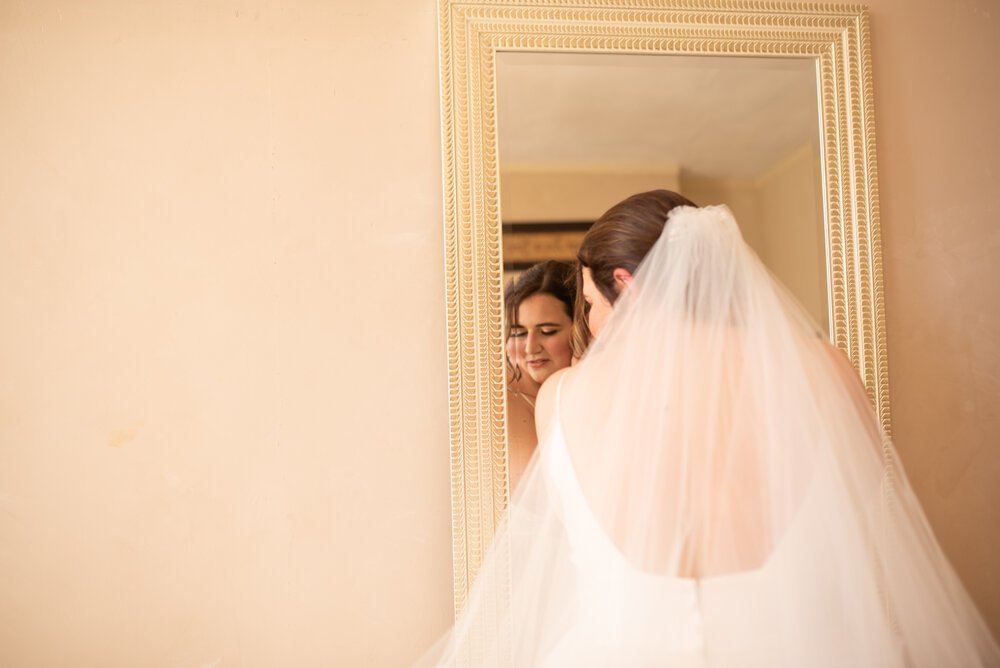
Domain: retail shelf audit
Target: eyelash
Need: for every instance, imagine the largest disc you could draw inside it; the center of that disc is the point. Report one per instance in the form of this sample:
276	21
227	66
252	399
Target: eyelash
544	332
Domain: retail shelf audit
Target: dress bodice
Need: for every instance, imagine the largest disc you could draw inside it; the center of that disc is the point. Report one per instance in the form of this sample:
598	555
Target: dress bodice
620	605
630	617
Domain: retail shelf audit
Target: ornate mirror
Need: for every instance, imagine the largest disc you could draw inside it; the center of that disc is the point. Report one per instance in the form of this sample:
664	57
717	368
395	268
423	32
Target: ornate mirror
553	111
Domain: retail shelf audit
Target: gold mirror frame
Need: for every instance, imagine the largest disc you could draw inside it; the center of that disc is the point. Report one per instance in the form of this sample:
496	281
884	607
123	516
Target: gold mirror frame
471	34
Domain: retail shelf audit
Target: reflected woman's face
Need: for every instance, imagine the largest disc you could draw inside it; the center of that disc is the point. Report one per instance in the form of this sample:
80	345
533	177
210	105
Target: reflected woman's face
598	306
545	330
515	354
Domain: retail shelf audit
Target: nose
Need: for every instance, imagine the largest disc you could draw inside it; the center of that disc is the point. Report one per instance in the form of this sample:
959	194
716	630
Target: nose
533	344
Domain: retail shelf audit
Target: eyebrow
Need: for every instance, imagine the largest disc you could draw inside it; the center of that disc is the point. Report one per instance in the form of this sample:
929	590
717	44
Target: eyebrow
541	324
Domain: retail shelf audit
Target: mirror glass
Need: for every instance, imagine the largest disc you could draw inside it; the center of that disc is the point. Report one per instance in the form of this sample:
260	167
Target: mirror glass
580	132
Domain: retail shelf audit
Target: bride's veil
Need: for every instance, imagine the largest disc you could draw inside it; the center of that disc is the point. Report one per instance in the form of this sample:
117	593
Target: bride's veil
714	490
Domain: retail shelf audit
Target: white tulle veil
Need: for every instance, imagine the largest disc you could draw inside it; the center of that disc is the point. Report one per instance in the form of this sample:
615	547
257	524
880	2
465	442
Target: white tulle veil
714	490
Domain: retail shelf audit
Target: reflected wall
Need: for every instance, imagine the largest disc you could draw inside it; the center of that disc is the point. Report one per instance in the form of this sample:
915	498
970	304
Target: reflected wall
580	132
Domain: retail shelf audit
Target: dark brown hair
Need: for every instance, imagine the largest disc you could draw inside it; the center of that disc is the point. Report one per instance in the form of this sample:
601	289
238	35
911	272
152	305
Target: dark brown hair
620	238
550	277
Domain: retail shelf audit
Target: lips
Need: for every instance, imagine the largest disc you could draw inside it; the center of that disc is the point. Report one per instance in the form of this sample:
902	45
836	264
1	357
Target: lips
537	364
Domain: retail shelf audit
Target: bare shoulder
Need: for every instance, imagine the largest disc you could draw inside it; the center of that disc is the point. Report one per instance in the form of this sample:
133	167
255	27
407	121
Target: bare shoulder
856	391
842	364
545	404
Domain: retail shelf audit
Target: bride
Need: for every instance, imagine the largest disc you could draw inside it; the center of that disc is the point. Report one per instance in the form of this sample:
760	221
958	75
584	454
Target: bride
711	487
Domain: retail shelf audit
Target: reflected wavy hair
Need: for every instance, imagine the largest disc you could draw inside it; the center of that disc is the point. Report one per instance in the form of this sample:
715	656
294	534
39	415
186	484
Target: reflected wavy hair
551	277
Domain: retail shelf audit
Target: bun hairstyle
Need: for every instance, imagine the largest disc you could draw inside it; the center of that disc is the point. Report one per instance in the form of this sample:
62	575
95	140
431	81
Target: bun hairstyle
619	239
551	277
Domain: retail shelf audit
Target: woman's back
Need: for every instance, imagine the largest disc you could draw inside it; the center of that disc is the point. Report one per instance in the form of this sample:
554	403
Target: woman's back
627	615
711	491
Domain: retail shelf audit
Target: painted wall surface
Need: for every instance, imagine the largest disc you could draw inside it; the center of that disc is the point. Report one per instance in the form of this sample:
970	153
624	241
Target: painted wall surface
781	217
223	390
937	98
223	415
559	193
791	220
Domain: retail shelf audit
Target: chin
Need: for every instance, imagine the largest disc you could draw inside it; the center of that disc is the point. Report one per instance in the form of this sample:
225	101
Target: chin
540	377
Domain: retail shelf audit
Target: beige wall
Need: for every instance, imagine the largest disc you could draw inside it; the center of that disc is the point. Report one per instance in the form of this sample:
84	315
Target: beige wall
791	213
545	193
937	102
223	392
215	451
780	216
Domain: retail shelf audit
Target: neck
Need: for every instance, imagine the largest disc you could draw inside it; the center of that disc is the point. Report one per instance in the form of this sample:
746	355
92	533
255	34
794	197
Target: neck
524	385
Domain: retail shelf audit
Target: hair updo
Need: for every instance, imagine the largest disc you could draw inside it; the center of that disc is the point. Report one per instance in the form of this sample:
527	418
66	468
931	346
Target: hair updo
620	238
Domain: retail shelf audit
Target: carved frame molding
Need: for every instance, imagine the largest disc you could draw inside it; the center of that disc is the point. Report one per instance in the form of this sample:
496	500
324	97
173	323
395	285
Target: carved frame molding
471	34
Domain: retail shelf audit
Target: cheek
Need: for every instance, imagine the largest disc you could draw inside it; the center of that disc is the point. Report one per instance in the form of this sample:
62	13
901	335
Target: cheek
563	348
598	314
516	347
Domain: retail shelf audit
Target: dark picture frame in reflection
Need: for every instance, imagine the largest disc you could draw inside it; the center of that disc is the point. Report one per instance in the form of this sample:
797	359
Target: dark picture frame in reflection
528	243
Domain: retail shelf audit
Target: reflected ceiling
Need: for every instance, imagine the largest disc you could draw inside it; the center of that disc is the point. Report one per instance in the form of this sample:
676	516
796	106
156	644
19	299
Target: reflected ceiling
720	117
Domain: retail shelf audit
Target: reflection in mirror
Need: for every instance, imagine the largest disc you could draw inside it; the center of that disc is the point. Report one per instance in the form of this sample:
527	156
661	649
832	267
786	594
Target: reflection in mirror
580	132
545	106
538	328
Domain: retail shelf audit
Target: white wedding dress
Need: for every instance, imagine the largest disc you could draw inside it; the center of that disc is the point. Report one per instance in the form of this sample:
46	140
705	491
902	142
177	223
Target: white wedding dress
627	617
714	491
